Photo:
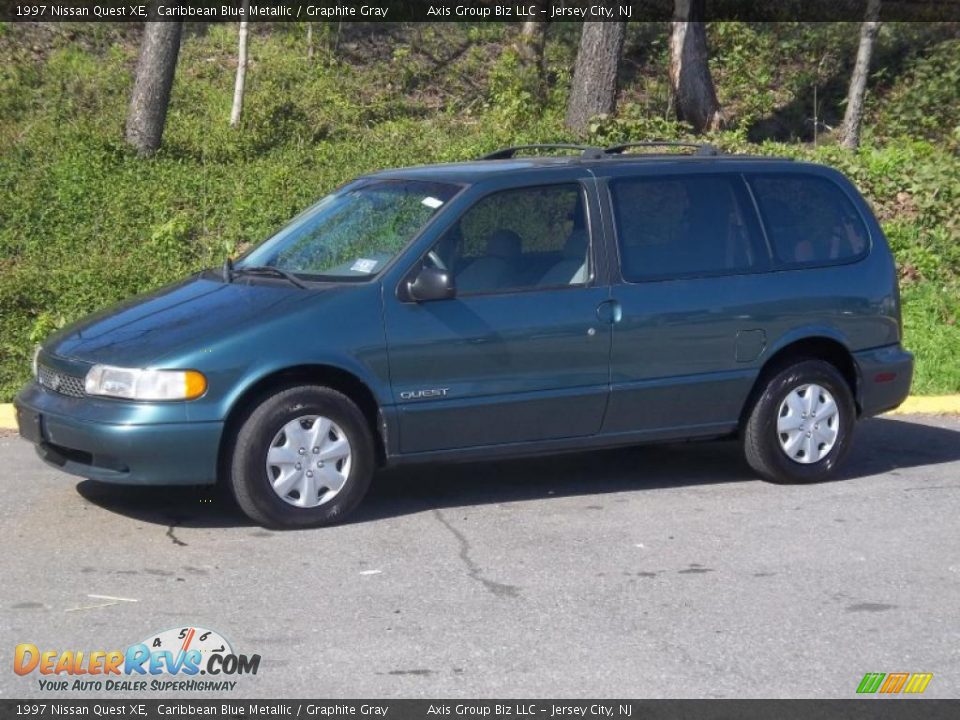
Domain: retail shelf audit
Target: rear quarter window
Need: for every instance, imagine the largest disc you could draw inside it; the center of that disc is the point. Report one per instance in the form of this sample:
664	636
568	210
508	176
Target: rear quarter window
809	220
685	226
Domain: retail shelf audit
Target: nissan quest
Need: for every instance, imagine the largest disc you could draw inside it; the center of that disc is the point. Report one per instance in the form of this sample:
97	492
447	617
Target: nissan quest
524	303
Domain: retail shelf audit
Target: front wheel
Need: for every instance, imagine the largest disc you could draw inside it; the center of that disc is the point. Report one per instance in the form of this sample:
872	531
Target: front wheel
303	458
801	426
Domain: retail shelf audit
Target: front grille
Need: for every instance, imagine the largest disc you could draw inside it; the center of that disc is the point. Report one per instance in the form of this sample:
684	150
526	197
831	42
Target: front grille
60	382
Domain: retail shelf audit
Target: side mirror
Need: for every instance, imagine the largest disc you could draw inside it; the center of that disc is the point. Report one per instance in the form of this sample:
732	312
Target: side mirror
431	283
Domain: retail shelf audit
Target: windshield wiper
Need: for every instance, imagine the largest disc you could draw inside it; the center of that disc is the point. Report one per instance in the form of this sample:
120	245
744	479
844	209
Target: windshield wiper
269	271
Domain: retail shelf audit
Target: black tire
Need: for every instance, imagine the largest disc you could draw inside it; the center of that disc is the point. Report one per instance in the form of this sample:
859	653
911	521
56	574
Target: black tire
248	477
761	443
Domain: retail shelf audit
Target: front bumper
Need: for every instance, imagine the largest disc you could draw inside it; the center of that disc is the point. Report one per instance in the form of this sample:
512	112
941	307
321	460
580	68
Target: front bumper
885	376
119	442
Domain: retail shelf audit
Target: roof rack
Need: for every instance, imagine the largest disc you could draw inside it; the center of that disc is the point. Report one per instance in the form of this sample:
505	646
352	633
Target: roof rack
509	152
700	148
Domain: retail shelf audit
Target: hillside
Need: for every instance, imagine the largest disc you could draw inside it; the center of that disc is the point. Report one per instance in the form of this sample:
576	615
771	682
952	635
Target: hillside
84	223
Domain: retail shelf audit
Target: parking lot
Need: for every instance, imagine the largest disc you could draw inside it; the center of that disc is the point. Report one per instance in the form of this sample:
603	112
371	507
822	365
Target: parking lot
644	572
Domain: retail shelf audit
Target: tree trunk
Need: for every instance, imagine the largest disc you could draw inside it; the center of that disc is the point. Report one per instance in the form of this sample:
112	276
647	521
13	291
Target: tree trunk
533	37
694	95
532	28
594	90
531	44
533	34
310	40
237	109
147	114
853	117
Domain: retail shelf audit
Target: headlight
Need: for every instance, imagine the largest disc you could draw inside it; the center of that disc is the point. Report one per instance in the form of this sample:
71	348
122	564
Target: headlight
144	384
35	362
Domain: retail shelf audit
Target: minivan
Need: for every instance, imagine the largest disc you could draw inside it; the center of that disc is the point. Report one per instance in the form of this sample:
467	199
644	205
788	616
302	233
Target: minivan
524	303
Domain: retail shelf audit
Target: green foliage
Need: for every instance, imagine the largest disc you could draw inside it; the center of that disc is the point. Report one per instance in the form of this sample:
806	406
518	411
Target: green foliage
925	103
931	325
632	123
84	223
513	90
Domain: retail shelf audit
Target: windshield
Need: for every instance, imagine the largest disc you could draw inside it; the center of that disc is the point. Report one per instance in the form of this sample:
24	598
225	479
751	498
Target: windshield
354	232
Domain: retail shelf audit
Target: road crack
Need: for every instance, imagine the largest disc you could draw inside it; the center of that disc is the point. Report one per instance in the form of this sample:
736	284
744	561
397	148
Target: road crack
172	535
473	570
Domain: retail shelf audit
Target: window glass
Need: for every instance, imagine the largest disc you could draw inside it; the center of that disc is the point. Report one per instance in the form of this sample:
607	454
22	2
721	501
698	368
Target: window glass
353	232
516	239
681	226
809	219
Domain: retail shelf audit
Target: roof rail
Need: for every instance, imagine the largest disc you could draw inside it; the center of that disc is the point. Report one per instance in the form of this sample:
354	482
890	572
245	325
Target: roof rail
700	148
509	152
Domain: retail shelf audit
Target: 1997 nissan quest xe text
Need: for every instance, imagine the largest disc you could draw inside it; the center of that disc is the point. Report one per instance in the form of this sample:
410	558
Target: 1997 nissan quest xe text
512	305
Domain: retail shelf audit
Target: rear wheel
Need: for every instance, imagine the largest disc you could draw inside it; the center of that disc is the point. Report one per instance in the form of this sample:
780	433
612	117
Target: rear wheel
303	458
801	426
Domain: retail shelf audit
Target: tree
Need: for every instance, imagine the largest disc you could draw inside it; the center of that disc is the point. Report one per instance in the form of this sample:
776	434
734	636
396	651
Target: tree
594	90
533	35
238	86
531	44
147	114
694	95
853	117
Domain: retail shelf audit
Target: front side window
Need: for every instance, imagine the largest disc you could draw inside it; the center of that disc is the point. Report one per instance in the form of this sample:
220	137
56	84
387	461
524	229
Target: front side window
809	219
670	227
354	232
519	239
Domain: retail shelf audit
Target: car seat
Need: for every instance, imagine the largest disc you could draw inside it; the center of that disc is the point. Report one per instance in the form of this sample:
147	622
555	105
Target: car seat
497	268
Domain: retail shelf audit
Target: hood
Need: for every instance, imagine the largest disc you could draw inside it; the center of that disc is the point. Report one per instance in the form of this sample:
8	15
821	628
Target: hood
198	311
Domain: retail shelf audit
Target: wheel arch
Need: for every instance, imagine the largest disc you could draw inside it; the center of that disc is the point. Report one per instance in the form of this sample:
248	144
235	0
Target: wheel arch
827	346
331	376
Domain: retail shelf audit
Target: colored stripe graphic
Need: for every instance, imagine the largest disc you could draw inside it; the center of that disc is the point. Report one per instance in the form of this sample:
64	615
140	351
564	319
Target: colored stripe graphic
871	682
918	682
894	683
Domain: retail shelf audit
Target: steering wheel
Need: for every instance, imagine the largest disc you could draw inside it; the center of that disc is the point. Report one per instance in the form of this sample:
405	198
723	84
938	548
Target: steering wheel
434	257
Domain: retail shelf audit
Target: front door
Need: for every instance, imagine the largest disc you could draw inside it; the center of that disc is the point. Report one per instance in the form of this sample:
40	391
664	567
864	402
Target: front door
519	354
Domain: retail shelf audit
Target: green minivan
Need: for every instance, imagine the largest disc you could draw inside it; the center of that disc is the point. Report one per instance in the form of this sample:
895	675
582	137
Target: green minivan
518	304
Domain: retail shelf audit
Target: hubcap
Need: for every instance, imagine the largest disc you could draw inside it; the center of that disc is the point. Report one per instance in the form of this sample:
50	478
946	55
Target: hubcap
808	424
309	460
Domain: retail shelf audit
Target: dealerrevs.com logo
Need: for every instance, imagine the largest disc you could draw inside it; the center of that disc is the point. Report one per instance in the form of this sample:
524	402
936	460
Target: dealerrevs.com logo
180	659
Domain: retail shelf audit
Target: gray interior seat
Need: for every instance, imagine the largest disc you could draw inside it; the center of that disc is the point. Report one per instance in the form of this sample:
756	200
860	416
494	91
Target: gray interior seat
497	268
572	269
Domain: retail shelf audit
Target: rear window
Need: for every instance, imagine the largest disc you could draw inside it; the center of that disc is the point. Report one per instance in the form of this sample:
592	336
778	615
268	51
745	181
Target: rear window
810	221
671	227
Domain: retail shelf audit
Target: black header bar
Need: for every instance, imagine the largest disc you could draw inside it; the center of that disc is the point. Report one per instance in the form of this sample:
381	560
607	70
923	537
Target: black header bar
464	10
235	708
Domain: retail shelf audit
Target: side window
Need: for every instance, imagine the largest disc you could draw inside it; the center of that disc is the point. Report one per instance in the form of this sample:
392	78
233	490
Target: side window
809	219
672	227
519	239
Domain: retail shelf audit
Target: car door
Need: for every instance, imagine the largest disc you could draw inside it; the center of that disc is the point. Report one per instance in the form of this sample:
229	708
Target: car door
519	354
690	254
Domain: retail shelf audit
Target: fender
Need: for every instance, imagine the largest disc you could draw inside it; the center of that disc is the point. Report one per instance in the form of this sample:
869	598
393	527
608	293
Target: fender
258	373
804	332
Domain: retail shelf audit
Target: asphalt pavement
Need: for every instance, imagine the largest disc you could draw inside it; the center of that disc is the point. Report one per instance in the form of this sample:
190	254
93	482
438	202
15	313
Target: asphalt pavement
663	571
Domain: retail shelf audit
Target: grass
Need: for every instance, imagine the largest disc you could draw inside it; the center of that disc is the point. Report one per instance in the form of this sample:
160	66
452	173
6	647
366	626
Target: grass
930	316
84	223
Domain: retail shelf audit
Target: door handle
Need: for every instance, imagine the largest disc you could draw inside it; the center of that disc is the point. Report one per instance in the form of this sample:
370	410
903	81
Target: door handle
610	311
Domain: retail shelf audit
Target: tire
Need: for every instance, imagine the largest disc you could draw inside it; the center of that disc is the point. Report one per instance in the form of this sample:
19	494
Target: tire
273	426
785	457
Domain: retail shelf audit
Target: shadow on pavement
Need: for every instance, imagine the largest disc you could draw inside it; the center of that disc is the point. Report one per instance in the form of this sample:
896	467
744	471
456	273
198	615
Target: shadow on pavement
881	445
